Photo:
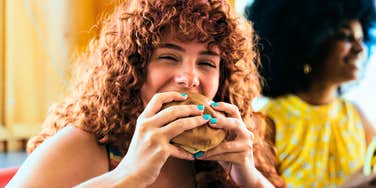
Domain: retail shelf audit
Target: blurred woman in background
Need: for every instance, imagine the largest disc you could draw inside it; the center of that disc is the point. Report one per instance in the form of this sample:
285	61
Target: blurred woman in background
309	48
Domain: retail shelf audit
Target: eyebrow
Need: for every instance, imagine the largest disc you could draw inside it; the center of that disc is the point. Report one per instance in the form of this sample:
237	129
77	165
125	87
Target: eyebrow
171	46
209	52
176	47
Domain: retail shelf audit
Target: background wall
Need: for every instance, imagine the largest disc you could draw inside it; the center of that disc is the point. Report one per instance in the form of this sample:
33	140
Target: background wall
38	39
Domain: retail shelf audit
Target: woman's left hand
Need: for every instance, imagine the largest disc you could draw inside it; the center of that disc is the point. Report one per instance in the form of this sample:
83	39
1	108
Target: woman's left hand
237	153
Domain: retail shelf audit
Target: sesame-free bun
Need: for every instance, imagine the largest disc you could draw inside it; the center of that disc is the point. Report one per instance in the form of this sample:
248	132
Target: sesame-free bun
201	138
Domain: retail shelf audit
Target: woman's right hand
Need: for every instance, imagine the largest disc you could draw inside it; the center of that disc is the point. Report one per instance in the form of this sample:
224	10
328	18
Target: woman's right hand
150	146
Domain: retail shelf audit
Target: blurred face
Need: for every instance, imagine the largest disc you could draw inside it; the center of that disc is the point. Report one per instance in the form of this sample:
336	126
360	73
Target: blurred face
346	54
177	66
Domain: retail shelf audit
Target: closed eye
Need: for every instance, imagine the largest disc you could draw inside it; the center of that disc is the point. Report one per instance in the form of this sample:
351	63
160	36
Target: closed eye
168	57
208	63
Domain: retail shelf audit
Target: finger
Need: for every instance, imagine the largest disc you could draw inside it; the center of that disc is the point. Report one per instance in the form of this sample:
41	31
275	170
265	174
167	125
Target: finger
179	126
175	112
230	124
230	147
180	153
156	102
230	109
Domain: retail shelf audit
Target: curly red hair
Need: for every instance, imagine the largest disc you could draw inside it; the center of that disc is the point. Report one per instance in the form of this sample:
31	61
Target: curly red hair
105	98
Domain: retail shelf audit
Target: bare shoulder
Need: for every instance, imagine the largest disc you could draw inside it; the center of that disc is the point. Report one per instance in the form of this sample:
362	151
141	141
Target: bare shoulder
67	158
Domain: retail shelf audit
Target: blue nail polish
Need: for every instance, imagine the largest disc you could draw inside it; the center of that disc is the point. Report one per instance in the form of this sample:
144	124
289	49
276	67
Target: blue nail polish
183	94
198	154
213	120
214	104
200	107
206	116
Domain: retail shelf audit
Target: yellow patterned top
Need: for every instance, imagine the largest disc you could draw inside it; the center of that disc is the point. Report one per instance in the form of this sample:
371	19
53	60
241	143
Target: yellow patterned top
317	146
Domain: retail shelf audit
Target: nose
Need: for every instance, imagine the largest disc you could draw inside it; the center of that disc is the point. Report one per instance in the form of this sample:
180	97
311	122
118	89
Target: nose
357	46
188	79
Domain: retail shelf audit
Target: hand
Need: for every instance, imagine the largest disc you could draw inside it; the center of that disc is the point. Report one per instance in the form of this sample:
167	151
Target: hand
235	154
150	146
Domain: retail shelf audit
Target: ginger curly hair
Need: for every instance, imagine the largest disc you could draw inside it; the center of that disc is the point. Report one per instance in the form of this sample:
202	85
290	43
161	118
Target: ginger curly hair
105	98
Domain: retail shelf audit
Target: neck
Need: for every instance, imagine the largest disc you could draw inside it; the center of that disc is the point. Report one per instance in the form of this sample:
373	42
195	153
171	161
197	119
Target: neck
319	93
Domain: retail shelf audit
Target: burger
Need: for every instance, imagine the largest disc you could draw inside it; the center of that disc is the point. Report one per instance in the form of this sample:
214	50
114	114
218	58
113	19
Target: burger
202	138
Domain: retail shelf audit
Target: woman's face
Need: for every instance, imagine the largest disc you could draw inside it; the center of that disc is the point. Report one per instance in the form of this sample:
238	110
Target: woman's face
346	54
179	66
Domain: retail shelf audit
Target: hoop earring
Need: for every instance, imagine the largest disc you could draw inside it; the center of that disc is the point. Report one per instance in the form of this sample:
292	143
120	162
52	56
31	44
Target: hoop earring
307	68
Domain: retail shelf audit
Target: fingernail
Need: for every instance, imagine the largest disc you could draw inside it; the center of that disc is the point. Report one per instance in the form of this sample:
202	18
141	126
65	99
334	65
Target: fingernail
183	94
214	104
200	107
213	120
198	154
206	116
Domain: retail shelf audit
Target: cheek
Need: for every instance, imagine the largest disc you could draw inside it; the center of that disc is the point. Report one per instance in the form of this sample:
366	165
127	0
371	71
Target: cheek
211	84
146	93
153	81
334	59
339	51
